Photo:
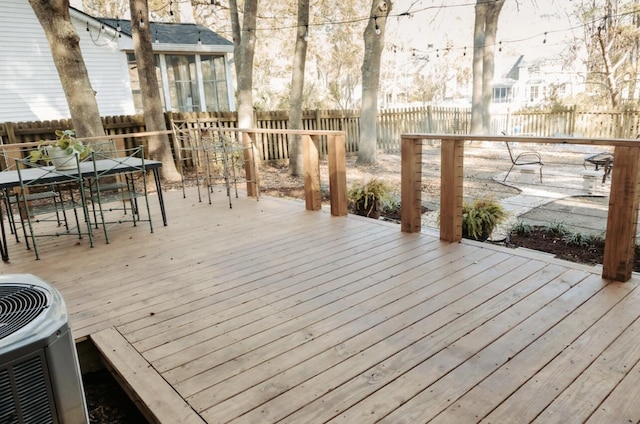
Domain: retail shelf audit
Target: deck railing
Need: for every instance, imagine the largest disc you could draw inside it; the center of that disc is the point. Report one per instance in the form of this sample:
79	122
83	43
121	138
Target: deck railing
310	139
336	155
624	197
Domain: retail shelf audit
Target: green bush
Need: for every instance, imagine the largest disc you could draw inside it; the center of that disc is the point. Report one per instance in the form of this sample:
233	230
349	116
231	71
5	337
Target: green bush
369	199
480	217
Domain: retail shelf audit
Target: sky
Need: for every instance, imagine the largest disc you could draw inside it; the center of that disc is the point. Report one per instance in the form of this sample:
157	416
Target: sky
521	26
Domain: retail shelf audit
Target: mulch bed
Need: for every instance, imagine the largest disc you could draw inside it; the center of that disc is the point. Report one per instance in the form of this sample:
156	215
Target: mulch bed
107	403
542	240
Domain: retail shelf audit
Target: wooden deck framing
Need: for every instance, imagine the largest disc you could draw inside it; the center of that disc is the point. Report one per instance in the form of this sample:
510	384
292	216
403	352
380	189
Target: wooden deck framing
268	312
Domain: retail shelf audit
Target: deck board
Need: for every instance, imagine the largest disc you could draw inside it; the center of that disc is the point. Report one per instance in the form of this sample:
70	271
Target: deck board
270	313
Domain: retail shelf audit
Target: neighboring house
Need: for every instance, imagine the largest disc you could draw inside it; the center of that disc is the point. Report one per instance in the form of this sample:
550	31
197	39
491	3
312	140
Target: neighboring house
532	83
193	66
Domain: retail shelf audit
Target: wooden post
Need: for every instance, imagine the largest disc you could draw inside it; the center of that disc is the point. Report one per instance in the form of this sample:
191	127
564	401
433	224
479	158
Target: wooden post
312	195
411	185
251	159
337	174
451	182
622	218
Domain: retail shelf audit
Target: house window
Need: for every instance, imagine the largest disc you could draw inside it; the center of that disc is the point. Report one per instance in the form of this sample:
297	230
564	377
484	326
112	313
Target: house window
215	83
502	95
183	82
191	83
534	93
136	92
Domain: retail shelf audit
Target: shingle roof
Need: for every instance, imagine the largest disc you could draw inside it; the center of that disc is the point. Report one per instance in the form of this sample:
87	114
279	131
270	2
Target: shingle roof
173	33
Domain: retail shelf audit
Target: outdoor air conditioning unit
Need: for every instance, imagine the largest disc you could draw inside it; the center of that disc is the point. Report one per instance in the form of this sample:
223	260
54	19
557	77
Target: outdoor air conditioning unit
40	380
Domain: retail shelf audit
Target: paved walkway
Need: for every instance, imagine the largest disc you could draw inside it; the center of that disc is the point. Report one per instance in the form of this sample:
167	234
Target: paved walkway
564	194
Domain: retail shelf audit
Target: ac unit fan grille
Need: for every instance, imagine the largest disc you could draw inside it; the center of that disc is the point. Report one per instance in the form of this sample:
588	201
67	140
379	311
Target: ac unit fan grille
19	305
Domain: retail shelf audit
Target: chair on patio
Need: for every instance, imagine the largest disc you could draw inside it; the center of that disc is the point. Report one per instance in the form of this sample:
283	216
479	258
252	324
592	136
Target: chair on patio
39	210
190	156
224	150
10	197
523	159
112	191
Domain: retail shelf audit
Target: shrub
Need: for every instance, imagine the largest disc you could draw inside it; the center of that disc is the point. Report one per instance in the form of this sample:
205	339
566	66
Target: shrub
480	217
370	199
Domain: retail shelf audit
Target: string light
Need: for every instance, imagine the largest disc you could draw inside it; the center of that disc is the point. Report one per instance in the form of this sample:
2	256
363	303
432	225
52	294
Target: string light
375	20
306	33
500	46
141	20
199	40
171	7
545	39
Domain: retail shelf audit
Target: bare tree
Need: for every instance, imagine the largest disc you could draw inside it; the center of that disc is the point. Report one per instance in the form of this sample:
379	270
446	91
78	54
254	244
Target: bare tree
612	39
373	47
297	87
484	40
159	148
65	49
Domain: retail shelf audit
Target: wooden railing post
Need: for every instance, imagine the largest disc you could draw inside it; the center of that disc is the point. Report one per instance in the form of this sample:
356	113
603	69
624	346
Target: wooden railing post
336	145
619	249
251	163
451	182
411	185
312	194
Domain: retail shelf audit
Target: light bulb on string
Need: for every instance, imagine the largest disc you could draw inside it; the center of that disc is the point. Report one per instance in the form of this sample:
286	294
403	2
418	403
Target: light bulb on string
306	33
375	20
171	7
141	20
545	38
464	52
500	46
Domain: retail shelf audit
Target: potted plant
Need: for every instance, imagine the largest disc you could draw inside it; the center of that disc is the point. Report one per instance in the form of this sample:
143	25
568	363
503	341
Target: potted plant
369	199
61	152
480	217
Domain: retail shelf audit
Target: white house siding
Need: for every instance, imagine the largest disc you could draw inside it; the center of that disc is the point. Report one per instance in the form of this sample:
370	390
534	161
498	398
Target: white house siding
30	88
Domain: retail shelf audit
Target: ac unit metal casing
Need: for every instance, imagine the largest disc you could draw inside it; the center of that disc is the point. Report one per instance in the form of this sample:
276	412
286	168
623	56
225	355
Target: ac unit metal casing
40	379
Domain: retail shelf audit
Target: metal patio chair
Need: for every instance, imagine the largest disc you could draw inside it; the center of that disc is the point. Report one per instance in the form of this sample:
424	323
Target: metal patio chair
523	159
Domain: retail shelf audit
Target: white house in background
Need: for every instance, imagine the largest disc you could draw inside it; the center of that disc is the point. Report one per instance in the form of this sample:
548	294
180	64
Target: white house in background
192	62
530	83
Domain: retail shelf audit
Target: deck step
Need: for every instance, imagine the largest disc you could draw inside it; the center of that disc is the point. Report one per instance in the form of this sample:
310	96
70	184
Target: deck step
159	400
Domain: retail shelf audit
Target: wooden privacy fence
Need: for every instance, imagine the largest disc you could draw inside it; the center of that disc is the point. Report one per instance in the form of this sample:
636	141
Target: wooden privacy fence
391	124
623	201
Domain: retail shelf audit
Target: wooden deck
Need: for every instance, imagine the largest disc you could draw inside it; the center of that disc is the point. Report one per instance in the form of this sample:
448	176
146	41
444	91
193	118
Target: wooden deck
270	313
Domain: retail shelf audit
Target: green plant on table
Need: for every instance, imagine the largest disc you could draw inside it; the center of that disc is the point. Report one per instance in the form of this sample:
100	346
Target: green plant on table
65	142
369	199
480	217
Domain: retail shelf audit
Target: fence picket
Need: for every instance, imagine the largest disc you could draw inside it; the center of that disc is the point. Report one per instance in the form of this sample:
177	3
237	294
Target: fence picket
391	124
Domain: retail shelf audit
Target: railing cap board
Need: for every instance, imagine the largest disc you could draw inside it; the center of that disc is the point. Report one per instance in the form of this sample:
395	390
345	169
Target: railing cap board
622	142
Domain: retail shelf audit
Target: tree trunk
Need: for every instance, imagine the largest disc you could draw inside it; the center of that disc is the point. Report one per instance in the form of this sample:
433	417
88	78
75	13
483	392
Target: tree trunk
159	148
488	61
297	88
67	56
484	40
244	40
373	46
478	59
